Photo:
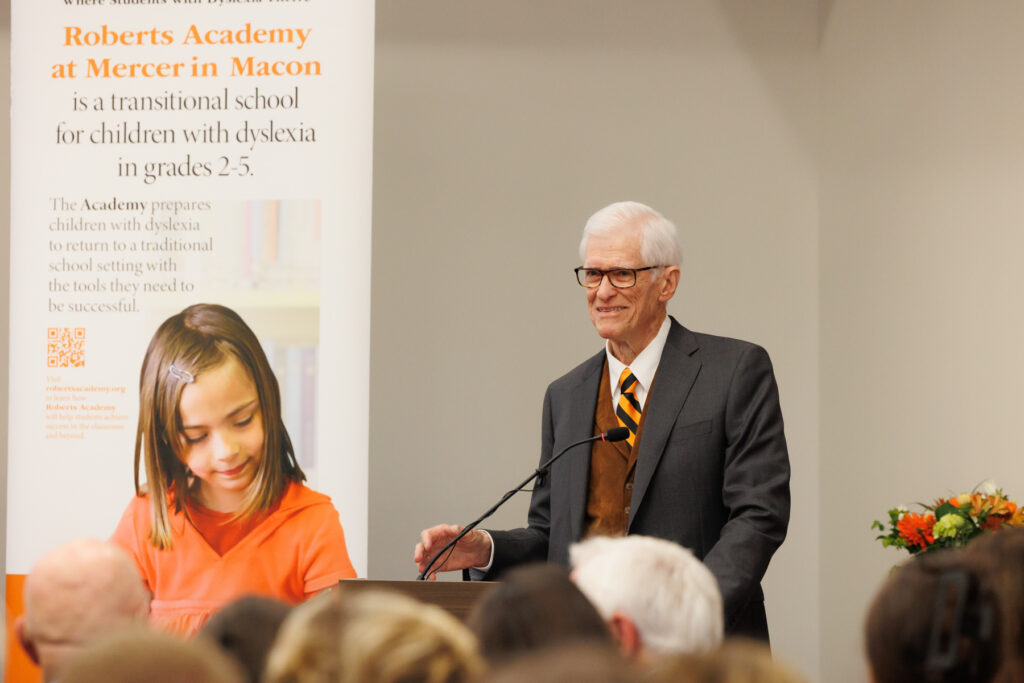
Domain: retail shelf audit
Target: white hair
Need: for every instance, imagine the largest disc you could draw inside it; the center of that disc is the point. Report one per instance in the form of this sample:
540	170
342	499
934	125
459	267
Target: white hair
660	240
671	597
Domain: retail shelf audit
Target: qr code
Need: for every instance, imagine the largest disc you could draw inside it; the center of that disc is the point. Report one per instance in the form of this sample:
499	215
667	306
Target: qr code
65	347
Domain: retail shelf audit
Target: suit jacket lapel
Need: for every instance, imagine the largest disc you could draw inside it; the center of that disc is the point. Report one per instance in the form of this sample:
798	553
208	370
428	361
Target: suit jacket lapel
581	413
677	371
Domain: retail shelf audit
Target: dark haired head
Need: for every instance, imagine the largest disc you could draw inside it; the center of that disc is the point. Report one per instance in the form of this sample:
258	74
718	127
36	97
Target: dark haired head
245	629
934	621
1000	557
534	607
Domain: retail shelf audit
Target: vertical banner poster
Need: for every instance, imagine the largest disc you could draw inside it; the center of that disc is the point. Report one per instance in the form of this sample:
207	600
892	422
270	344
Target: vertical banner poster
171	152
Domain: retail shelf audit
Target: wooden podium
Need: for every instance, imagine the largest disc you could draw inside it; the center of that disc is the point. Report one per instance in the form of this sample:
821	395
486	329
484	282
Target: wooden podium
455	597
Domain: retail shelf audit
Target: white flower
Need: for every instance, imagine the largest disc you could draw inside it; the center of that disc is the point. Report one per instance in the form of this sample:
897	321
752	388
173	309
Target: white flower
988	487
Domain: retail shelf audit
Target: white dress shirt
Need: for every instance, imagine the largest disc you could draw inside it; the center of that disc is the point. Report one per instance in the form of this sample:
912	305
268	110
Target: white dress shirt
643	367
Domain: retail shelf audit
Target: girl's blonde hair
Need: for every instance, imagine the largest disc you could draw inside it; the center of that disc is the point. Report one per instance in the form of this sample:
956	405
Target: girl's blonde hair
198	339
372	636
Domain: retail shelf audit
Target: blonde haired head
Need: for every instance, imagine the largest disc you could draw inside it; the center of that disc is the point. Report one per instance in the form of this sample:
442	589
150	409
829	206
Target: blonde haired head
372	637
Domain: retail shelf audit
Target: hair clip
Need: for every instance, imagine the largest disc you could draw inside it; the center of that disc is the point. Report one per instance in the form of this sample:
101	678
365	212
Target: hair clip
960	609
950	595
183	375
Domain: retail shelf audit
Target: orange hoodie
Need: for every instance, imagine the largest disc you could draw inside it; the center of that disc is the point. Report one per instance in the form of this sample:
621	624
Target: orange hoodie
298	549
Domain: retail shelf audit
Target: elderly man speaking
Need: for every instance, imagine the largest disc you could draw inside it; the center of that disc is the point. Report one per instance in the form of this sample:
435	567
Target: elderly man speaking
705	464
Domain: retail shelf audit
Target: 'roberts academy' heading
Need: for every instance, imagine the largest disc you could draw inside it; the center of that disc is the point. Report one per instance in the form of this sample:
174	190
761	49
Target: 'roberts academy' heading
194	36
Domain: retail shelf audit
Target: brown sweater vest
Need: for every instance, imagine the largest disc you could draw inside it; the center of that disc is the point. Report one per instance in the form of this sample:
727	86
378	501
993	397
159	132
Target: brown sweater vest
612	467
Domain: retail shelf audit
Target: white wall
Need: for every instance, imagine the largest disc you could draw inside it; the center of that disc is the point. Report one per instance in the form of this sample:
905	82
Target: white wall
921	280
500	126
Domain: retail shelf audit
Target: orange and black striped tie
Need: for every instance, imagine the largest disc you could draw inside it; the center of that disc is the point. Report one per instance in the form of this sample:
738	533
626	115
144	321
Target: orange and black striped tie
628	411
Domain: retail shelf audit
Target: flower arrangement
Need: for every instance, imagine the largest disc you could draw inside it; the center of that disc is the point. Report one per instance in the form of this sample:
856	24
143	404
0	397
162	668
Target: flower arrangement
950	522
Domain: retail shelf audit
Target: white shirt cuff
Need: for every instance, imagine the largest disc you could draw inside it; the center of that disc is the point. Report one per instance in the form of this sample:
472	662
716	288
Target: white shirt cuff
490	560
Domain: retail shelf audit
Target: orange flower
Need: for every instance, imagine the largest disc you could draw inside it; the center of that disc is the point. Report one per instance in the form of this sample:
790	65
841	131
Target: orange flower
1002	507
992	523
917	529
979	504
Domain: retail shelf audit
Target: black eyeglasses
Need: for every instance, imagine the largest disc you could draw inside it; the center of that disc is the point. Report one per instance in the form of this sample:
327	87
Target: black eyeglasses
620	278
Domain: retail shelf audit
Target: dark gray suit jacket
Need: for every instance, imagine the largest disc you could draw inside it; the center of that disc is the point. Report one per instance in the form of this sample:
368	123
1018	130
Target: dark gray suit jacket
712	469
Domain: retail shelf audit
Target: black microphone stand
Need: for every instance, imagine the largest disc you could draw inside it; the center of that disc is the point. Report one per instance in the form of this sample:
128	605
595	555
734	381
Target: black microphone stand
540	471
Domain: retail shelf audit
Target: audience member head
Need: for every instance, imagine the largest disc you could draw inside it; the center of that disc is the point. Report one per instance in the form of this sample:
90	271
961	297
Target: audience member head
531	608
245	630
372	637
1000	557
934	621
568	662
75	593
142	655
736	661
655	595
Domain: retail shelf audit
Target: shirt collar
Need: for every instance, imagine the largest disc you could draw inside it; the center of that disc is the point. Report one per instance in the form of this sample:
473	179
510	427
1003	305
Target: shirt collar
646	363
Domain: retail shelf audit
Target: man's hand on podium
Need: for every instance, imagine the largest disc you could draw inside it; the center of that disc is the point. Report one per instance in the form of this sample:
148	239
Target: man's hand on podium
473	550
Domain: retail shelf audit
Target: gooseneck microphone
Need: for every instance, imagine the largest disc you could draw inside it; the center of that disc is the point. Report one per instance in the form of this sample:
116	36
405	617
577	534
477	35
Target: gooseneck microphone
616	434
